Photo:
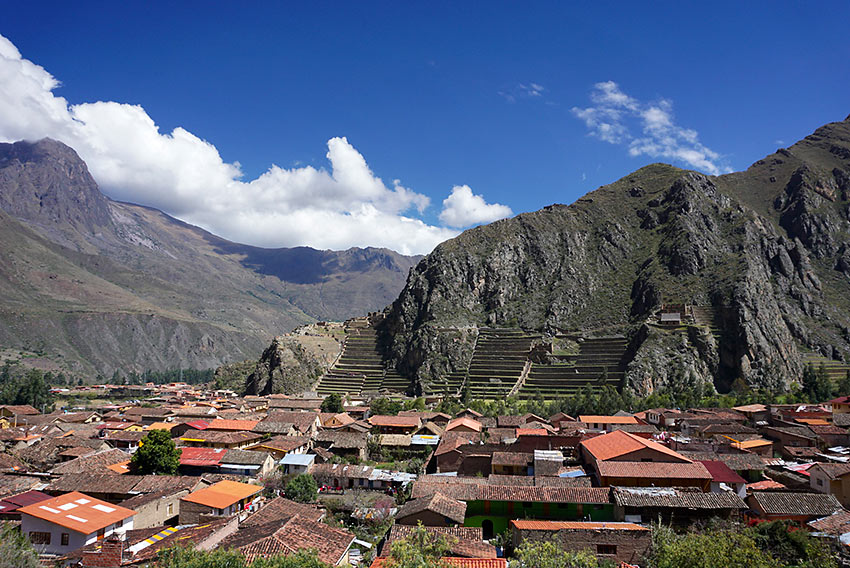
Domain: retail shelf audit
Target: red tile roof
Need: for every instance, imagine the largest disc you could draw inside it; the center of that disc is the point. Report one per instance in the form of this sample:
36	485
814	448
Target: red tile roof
232	425
395	421
465	421
618	443
531	432
765	485
594	419
653	470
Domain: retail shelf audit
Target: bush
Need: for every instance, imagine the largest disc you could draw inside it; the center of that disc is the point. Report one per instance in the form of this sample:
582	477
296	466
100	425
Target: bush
15	549
156	455
302	488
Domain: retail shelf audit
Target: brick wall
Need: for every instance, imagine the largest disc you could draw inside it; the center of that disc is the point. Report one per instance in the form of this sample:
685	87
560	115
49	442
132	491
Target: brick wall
631	545
109	556
190	513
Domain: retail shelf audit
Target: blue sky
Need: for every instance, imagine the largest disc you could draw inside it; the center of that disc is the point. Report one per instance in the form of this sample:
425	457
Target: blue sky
506	107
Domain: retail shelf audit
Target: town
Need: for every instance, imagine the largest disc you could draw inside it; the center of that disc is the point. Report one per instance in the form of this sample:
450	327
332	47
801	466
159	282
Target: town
344	478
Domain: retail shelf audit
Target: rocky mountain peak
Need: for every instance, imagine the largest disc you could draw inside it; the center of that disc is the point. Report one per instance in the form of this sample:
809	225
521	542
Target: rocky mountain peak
46	184
764	254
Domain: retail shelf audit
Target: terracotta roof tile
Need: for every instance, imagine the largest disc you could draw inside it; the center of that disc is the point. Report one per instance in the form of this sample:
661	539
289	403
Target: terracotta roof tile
92	464
437	503
795	504
395	421
653	470
618	443
280	509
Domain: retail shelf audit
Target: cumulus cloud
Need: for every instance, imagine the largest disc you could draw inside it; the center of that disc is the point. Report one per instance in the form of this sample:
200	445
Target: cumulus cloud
614	115
463	208
184	175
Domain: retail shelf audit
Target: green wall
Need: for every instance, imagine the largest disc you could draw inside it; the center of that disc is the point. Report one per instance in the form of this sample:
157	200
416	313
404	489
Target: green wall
501	512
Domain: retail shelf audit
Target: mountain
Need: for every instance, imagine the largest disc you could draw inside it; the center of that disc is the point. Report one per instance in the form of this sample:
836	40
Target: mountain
89	285
763	255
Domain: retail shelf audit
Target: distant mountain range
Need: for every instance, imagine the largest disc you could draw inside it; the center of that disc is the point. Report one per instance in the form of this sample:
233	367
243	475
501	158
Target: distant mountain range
90	285
763	255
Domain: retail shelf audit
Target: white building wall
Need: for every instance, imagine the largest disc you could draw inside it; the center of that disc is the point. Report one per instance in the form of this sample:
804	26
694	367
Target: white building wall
75	540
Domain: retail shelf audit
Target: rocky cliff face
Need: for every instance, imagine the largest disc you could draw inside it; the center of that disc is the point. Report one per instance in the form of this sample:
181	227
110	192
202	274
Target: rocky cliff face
766	250
285	367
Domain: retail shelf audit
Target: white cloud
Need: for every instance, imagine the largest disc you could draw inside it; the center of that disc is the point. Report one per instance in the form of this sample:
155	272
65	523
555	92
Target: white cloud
614	114
463	208
522	91
184	175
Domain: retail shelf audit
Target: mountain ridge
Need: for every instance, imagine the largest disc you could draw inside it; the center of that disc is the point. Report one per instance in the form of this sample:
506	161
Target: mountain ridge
763	250
99	285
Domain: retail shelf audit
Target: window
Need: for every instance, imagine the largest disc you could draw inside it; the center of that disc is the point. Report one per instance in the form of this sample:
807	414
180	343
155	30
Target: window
606	549
562	505
598	507
65	539
169	510
820	481
40	537
526	504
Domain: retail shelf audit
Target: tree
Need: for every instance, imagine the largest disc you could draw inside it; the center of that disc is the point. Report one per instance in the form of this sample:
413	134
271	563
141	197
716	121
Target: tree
302	488
790	546
187	557
729	549
156	455
15	549
385	406
549	554
332	403
420	549
844	385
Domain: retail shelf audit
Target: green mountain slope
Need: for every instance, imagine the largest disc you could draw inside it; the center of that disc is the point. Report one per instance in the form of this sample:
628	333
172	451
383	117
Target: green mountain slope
763	254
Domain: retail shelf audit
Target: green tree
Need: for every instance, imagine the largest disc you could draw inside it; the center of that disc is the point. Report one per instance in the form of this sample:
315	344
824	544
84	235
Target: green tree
302	488
420	549
549	554
301	559
15	549
187	557
817	387
791	546
844	385
385	406
156	455
727	549
332	403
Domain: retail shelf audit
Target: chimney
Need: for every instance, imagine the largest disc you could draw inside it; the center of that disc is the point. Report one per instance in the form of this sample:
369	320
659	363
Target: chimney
110	554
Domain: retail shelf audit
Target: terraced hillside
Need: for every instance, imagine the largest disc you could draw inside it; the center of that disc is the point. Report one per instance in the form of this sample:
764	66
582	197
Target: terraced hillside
360	368
599	360
499	361
836	370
